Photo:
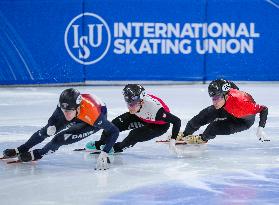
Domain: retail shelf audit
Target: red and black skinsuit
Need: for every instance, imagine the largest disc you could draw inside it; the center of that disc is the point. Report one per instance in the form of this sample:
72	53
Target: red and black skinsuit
238	114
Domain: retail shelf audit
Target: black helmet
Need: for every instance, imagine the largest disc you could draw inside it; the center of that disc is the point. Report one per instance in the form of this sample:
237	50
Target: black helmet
218	87
70	99
133	93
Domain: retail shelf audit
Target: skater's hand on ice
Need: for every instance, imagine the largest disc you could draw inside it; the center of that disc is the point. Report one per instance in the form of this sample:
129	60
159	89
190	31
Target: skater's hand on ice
261	135
102	161
172	145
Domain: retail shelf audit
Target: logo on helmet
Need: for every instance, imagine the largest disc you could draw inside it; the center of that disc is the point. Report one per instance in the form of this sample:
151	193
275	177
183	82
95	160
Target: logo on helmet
87	38
142	94
226	87
64	105
79	99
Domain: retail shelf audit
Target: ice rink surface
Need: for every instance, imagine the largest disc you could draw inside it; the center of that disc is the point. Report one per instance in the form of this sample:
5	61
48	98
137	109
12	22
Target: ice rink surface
235	169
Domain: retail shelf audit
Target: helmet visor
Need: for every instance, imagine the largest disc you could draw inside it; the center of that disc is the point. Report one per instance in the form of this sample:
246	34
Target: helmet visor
131	100
67	107
216	98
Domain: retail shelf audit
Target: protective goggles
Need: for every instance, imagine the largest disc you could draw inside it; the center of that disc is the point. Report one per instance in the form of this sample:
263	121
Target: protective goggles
66	107
68	110
131	100
217	97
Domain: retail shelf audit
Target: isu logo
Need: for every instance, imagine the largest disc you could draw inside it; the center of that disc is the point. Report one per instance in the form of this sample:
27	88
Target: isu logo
87	38
226	87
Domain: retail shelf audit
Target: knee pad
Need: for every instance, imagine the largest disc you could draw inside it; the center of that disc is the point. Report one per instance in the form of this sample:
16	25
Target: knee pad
51	130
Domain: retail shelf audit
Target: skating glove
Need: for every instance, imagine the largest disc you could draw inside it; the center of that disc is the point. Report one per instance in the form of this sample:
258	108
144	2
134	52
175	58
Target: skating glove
172	146
194	139
261	135
102	161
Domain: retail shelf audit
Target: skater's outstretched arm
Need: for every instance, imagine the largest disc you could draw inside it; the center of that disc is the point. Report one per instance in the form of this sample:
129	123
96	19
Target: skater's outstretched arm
165	116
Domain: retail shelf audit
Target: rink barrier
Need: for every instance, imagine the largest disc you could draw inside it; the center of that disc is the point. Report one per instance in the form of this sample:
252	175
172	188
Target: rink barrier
110	42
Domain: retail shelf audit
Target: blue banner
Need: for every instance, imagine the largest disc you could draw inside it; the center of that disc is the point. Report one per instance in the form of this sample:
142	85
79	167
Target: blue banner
145	41
254	45
32	47
81	41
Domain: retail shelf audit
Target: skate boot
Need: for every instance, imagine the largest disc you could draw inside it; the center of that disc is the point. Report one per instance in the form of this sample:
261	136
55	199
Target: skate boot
92	147
29	156
180	137
194	139
10	153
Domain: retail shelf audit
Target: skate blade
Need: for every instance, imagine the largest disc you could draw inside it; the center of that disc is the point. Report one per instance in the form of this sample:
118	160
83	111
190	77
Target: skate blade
19	161
167	141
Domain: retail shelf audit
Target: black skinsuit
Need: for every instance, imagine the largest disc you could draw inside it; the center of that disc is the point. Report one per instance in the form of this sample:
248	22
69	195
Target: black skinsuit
141	131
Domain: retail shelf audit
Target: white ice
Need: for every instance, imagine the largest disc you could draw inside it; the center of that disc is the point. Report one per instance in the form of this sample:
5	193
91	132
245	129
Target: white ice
235	169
